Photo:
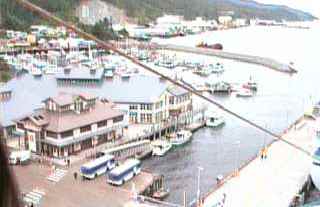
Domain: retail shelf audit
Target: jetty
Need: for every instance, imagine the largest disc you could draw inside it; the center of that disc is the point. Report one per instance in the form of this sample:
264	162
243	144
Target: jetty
257	60
273	181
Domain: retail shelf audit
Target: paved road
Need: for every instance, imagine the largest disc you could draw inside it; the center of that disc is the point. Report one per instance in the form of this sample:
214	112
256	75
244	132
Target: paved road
274	181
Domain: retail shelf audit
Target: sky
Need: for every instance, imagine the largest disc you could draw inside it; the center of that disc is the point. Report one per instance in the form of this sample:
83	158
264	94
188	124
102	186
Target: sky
311	6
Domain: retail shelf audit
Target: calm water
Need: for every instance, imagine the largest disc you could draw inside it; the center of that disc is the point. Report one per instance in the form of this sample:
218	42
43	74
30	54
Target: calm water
280	100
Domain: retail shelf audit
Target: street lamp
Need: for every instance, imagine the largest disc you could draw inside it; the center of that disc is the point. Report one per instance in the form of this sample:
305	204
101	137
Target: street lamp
237	143
198	191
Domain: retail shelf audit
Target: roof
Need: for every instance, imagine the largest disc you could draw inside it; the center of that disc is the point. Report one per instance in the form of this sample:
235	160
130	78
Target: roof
82	73
177	91
62	99
5	88
29	93
61	122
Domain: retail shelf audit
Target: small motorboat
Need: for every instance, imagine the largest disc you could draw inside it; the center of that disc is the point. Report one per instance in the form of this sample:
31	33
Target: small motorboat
161	194
214	120
181	137
160	147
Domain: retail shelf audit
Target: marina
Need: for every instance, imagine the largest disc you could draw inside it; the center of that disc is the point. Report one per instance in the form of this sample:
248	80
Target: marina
150	140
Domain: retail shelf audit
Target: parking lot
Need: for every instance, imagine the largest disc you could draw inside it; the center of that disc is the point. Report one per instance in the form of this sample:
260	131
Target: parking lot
61	189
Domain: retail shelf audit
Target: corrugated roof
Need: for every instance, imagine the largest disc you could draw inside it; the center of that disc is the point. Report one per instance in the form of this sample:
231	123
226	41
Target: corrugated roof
60	122
29	92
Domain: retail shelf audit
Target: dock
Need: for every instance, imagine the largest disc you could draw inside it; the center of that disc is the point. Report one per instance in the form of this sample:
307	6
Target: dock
257	60
274	181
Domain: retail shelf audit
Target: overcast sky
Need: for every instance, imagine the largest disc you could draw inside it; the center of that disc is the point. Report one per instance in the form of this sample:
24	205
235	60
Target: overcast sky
312	6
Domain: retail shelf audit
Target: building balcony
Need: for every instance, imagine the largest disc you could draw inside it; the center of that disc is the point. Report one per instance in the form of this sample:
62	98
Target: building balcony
71	140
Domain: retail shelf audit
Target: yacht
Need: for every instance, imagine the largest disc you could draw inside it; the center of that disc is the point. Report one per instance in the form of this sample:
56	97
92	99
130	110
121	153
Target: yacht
160	147
214	120
181	137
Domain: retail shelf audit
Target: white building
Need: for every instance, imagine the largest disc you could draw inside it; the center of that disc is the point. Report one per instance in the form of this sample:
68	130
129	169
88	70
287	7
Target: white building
225	20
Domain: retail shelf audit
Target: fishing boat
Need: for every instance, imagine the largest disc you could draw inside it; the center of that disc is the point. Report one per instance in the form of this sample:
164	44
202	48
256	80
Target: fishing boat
214	120
181	137
160	147
245	93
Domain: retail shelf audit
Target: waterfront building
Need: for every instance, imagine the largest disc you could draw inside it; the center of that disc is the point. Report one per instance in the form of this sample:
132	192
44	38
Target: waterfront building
70	123
180	104
80	75
225	20
5	93
143	99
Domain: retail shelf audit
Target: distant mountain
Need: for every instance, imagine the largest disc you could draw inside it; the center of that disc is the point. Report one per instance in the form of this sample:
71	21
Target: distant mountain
146	10
13	16
252	9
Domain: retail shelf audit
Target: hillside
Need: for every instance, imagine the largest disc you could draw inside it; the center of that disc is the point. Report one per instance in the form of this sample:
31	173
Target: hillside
15	17
146	10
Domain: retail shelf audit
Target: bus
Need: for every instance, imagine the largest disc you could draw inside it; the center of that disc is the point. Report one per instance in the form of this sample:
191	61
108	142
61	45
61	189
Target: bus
97	167
119	175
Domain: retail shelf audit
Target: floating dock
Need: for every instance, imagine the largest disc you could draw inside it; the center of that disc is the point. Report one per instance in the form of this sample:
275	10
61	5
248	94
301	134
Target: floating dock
274	181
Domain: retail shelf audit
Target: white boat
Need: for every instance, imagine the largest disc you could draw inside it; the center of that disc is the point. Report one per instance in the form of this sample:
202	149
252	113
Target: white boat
160	147
181	138
244	93
214	120
217	68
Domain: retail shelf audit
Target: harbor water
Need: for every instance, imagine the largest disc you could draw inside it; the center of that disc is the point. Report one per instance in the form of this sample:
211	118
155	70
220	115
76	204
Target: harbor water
280	100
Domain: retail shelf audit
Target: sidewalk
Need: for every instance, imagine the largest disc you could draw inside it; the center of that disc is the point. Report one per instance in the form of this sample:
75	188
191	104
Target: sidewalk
271	182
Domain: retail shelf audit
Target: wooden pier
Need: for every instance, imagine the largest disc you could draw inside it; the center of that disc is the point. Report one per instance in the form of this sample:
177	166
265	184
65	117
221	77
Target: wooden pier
274	181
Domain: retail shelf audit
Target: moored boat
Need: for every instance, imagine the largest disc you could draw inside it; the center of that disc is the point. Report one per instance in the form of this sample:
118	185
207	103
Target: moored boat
214	120
160	147
181	137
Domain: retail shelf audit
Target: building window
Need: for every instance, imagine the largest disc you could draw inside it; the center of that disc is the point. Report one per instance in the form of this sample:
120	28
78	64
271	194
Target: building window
143	107
85	129
117	119
149	118
171	100
149	107
133	107
102	123
52	134
143	118
67	134
20	126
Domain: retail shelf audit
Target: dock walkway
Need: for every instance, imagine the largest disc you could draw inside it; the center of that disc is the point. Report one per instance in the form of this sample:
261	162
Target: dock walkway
263	61
273	181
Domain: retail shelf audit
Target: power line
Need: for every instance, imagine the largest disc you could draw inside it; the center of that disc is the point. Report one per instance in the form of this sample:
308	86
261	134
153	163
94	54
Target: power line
109	46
